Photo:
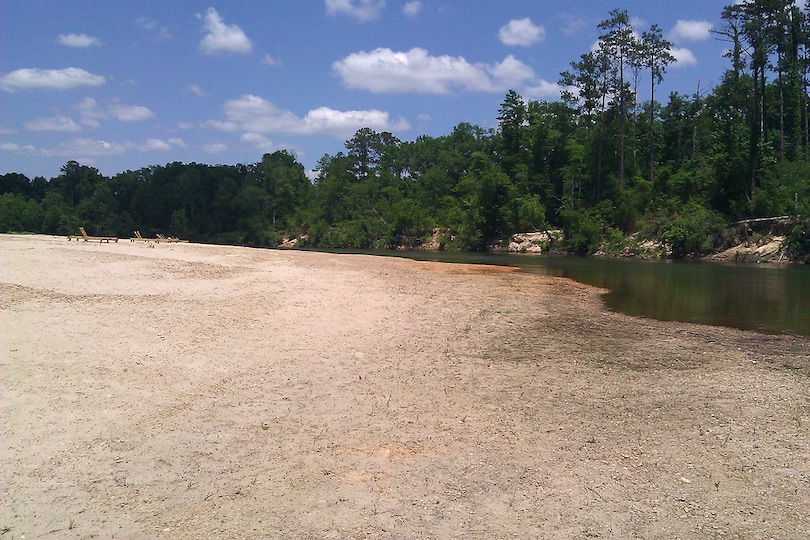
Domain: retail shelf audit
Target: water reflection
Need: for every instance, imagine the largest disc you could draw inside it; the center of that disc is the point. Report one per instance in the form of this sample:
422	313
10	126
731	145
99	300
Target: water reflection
769	299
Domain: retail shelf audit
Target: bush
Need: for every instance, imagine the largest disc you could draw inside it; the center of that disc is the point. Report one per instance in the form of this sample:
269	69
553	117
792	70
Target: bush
797	243
694	230
17	214
582	232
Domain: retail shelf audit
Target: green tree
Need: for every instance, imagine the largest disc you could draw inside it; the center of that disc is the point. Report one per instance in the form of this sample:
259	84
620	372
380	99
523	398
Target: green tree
655	56
619	44
486	193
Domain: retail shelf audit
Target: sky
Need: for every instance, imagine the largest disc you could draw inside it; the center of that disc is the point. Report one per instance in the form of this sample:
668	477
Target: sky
124	85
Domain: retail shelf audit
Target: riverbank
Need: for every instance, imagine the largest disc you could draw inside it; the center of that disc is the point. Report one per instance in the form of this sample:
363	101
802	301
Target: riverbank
180	391
755	247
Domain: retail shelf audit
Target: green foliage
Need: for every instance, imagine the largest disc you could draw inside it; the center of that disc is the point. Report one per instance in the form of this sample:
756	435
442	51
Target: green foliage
582	232
694	230
786	191
486	194
17	214
797	242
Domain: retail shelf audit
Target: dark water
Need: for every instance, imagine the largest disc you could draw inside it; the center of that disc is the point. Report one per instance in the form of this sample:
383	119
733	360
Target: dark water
765	298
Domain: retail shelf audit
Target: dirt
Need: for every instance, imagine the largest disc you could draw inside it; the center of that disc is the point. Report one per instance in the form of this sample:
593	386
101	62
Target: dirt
193	391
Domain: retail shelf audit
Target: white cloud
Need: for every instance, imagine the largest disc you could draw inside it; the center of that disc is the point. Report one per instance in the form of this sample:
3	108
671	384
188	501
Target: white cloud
361	10
255	115
262	143
544	90
521	32
90	112
637	22
221	37
177	142
690	31
50	79
159	33
269	60
85	148
194	89
146	23
383	70
215	148
683	57
345	123
156	144
412	9
78	40
130	113
572	25
222	126
56	123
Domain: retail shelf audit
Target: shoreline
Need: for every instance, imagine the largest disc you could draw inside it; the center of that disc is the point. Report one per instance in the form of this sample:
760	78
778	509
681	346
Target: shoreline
189	390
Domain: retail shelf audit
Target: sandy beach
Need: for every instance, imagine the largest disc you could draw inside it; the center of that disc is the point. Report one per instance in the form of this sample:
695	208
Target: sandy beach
197	391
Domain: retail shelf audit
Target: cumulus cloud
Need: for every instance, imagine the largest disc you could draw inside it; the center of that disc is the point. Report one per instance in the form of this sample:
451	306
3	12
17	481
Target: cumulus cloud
412	9
683	57
10	147
361	10
215	148
344	123
521	32
56	123
49	79
130	113
197	90
386	71
544	90
690	31
85	148
254	115
222	126
638	22
159	33
269	60
221	37
156	144
259	141
78	40
91	112
572	25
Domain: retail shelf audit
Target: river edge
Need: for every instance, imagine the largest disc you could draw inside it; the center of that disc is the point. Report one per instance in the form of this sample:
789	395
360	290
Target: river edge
761	247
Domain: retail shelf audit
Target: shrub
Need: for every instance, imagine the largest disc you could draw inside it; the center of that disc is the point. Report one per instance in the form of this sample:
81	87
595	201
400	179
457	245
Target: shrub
797	243
582	232
694	230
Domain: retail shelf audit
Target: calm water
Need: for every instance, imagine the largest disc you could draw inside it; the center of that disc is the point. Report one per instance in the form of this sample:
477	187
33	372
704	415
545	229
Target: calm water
765	298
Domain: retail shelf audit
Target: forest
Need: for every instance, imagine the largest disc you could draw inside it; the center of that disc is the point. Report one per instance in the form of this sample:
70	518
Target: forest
608	170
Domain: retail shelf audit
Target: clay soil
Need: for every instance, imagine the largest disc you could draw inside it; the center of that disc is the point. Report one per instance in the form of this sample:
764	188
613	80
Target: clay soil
195	391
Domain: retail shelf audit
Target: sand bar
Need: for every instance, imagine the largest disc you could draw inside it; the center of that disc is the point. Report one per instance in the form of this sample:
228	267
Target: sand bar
195	391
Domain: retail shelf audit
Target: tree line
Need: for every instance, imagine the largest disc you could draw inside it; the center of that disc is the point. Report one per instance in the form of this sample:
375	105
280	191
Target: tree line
603	166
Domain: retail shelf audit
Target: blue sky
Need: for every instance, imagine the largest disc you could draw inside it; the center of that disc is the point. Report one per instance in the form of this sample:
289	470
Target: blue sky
123	85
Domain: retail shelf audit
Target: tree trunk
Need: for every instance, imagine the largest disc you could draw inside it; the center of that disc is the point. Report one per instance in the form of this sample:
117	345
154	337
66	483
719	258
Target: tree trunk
652	119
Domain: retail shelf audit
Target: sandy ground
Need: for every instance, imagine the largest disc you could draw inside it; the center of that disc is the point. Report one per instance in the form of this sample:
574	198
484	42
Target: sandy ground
190	391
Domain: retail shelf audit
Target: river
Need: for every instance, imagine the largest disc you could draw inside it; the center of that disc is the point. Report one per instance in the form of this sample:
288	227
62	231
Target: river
772	299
